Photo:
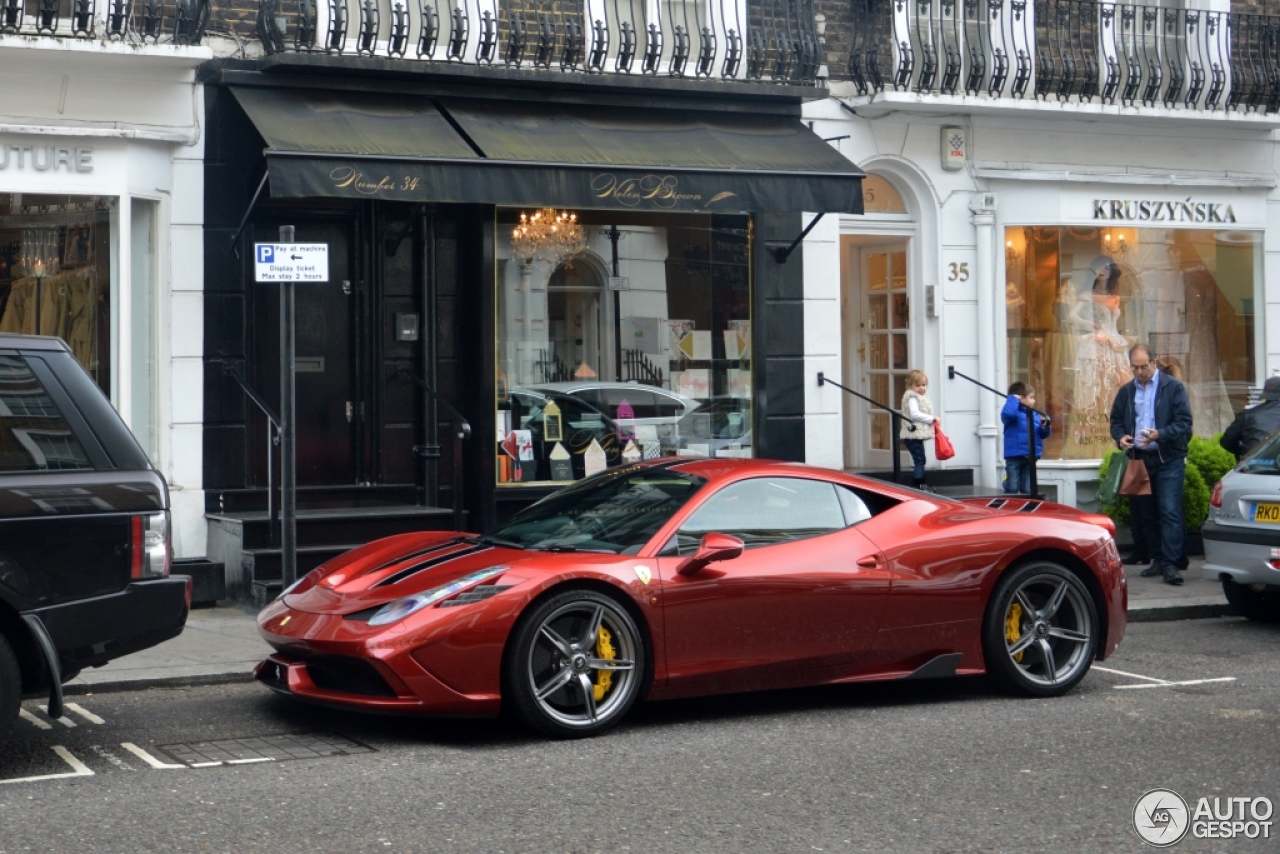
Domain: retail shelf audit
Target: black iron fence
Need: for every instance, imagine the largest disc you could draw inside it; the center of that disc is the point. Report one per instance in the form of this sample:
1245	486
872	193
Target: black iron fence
1110	53
180	22
754	40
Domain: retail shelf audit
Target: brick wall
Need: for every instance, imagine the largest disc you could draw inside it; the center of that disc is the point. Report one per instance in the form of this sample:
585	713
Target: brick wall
234	17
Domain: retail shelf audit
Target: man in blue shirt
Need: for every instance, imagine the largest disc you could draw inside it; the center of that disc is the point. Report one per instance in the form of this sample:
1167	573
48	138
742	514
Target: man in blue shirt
1151	417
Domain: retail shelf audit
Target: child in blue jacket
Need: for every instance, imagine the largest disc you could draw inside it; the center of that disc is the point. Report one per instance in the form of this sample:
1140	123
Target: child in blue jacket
1017	459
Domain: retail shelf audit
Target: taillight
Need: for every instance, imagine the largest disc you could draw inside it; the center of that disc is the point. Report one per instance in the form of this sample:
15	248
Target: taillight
1215	498
150	553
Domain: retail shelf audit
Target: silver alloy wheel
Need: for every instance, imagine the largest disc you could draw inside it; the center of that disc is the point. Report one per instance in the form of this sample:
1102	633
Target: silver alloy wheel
568	658
1054	629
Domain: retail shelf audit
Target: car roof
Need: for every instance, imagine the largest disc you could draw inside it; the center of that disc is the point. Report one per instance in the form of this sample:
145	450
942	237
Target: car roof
570	387
13	341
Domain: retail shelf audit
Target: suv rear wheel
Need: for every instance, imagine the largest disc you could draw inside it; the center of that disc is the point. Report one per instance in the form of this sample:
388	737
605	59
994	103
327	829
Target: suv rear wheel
10	689
1257	602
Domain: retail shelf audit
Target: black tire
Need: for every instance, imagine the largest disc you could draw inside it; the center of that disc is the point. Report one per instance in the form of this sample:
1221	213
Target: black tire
10	689
554	656
1050	651
1262	606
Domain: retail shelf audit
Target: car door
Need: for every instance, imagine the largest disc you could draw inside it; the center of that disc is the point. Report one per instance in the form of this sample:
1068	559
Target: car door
801	603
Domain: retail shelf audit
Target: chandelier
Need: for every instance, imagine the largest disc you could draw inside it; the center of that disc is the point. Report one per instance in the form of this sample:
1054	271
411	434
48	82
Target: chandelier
548	236
39	256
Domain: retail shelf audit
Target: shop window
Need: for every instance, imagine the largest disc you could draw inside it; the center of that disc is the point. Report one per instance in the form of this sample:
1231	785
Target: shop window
1078	298
55	272
620	337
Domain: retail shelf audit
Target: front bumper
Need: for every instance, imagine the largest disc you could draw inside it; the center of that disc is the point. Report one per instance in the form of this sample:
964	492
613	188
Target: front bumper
1242	554
326	659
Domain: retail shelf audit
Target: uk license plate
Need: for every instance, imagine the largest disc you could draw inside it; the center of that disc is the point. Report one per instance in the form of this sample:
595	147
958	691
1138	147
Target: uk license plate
1266	512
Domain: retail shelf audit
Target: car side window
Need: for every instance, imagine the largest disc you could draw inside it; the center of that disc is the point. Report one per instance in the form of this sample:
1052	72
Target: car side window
855	509
640	401
766	511
667	406
34	435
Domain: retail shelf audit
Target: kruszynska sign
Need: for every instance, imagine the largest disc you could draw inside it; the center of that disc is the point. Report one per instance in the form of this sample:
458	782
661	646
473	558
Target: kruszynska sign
291	262
1150	210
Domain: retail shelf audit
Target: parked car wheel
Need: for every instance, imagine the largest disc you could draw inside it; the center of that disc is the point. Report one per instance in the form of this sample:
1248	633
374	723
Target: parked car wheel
1041	631
1256	602
576	665
10	689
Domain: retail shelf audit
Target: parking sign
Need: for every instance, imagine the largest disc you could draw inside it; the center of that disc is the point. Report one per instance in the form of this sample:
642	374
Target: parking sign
291	262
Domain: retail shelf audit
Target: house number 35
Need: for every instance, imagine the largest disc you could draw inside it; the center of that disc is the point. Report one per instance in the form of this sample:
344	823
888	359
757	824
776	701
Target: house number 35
959	271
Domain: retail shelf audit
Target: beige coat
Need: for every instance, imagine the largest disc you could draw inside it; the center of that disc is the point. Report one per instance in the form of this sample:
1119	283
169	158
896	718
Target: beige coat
915	429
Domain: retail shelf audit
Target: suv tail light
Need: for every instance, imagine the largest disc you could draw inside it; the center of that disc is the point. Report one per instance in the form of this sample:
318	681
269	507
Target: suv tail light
150	546
1215	499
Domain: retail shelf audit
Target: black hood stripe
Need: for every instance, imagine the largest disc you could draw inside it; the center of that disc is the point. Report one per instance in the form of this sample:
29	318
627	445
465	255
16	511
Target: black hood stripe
427	564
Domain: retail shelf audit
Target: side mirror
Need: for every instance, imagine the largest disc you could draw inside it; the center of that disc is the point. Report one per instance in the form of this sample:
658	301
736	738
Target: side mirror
714	547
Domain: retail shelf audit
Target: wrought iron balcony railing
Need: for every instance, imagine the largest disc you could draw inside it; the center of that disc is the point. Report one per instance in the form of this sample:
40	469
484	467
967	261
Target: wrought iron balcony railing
754	40
1091	51
180	22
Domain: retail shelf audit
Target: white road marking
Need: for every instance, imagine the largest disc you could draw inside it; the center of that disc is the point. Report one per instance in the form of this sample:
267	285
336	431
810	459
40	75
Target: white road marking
247	761
66	722
33	720
204	764
147	757
79	769
85	713
1133	675
1188	682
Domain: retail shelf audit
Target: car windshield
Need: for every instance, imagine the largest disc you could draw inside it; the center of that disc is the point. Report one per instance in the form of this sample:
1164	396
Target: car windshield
1264	459
615	512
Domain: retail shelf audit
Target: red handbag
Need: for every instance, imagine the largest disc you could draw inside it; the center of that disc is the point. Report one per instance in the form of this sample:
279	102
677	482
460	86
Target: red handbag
942	447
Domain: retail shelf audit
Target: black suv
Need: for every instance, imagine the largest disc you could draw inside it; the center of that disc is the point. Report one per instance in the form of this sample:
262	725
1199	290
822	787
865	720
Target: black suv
84	530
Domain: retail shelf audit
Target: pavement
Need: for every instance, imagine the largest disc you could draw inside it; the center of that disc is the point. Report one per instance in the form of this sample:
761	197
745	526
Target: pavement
221	644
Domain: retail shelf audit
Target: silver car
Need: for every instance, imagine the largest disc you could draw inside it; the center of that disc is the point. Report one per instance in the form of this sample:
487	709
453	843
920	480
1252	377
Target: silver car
1242	534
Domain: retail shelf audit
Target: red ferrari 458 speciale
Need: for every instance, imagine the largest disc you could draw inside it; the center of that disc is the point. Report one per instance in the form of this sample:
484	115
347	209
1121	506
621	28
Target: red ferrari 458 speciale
676	578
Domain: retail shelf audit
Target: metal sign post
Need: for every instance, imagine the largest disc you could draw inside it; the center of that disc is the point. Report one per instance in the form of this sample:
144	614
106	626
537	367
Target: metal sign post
287	262
288	432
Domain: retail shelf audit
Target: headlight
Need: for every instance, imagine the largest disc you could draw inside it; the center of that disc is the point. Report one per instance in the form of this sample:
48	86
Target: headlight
402	608
302	585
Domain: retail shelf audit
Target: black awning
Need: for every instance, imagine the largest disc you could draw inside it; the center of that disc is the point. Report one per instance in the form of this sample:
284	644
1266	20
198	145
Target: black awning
412	148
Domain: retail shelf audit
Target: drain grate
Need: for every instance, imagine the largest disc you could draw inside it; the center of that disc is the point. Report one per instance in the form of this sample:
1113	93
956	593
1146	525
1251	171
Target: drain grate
263	748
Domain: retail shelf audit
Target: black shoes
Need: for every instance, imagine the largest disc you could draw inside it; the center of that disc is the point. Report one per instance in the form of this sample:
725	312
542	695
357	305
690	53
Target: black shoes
1152	571
1173	578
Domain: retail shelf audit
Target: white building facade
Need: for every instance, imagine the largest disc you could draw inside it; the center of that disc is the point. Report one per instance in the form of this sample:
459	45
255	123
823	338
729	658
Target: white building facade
1027	236
101	213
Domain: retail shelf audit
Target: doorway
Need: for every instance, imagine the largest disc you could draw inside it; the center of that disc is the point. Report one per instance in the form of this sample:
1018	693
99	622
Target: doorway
876	325
327	397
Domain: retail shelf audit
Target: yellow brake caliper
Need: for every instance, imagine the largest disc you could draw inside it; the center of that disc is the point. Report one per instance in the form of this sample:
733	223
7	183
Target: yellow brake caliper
1013	627
604	650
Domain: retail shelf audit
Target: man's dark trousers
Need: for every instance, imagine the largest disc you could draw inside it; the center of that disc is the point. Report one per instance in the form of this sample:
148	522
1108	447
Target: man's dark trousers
1161	513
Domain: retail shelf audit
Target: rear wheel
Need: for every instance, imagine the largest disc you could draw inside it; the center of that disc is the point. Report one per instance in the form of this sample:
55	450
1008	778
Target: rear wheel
1260	603
575	664
10	689
1041	631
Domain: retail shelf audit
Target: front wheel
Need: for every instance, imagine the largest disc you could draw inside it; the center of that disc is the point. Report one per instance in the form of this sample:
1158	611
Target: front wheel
575	664
1041	630
10	689
1261	605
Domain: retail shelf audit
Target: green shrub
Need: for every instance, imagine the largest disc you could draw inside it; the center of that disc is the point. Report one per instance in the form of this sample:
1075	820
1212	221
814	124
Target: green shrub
1195	498
1211	458
1195	487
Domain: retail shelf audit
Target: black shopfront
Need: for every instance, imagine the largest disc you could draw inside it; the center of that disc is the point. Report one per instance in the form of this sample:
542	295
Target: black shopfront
680	194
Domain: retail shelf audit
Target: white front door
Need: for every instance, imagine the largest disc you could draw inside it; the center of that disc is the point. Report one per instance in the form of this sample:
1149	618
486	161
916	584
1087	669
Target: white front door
877	354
